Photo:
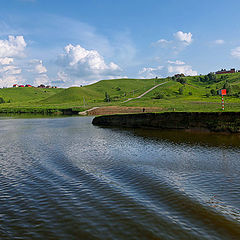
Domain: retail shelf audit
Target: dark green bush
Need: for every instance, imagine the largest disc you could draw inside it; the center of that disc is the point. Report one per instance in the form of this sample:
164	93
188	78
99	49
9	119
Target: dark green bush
158	96
180	90
1	100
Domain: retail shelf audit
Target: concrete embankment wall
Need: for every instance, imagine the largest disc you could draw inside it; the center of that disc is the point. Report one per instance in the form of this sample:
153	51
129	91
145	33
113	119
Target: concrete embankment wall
214	121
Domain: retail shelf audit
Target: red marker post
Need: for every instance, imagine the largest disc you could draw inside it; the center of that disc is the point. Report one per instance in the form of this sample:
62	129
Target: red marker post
224	93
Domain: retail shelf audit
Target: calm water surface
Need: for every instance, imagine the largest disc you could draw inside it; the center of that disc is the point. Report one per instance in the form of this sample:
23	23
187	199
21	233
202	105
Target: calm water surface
64	178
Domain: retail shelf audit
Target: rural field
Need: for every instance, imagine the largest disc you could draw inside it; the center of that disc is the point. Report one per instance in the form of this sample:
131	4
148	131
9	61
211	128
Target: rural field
192	93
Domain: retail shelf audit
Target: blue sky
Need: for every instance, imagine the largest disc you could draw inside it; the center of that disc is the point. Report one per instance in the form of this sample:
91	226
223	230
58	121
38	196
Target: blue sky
70	43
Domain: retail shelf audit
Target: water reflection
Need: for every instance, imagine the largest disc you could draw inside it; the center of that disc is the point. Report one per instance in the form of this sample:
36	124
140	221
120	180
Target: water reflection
63	178
219	140
4	116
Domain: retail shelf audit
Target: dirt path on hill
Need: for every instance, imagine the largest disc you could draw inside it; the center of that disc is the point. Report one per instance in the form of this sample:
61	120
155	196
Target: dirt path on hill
84	113
149	90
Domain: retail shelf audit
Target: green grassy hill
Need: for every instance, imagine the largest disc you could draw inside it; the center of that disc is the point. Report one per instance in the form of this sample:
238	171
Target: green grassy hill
198	93
27	95
118	89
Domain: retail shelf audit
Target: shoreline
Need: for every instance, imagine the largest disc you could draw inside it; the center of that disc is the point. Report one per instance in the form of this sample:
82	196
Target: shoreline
228	122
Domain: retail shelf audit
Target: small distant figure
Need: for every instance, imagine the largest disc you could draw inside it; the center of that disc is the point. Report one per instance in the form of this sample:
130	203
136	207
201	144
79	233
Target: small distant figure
143	109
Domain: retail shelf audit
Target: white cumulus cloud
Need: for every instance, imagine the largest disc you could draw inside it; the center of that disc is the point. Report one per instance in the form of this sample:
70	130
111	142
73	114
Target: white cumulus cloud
6	61
236	52
185	69
10	70
174	46
37	66
41	79
87	65
13	47
184	37
9	80
9	75
150	72
61	78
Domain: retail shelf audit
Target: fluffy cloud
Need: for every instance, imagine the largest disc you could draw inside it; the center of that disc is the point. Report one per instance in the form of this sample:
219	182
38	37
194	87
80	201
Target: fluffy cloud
10	70
219	41
41	79
36	66
172	67
61	78
13	47
180	41
162	42
184	37
150	72
180	67
9	75
6	61
35	70
236	52
87	65
9	80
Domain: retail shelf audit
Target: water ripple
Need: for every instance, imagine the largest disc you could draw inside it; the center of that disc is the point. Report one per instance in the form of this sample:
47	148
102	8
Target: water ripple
66	179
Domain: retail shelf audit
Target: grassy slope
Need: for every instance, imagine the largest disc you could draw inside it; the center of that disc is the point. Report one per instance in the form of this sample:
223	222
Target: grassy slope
122	89
118	90
29	95
198	101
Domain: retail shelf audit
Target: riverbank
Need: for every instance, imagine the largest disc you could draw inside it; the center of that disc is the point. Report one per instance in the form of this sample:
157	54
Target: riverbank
41	110
210	121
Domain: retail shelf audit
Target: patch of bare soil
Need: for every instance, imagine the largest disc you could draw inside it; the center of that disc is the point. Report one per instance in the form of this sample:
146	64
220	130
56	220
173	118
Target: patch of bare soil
115	110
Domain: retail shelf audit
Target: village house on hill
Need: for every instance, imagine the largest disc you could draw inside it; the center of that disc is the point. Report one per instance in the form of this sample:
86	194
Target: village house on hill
28	85
223	71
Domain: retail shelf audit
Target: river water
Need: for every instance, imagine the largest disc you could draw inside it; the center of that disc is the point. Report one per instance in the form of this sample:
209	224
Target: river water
63	178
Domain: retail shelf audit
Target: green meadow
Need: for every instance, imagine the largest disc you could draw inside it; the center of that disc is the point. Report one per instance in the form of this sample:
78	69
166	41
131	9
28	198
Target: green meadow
193	93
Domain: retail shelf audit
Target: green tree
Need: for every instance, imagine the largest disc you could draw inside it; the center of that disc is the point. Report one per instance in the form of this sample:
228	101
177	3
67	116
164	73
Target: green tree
158	96
180	90
1	100
211	77
228	87
107	97
181	80
213	92
229	90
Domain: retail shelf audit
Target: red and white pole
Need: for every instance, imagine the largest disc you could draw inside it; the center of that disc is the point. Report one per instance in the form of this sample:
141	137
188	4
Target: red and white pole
222	103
